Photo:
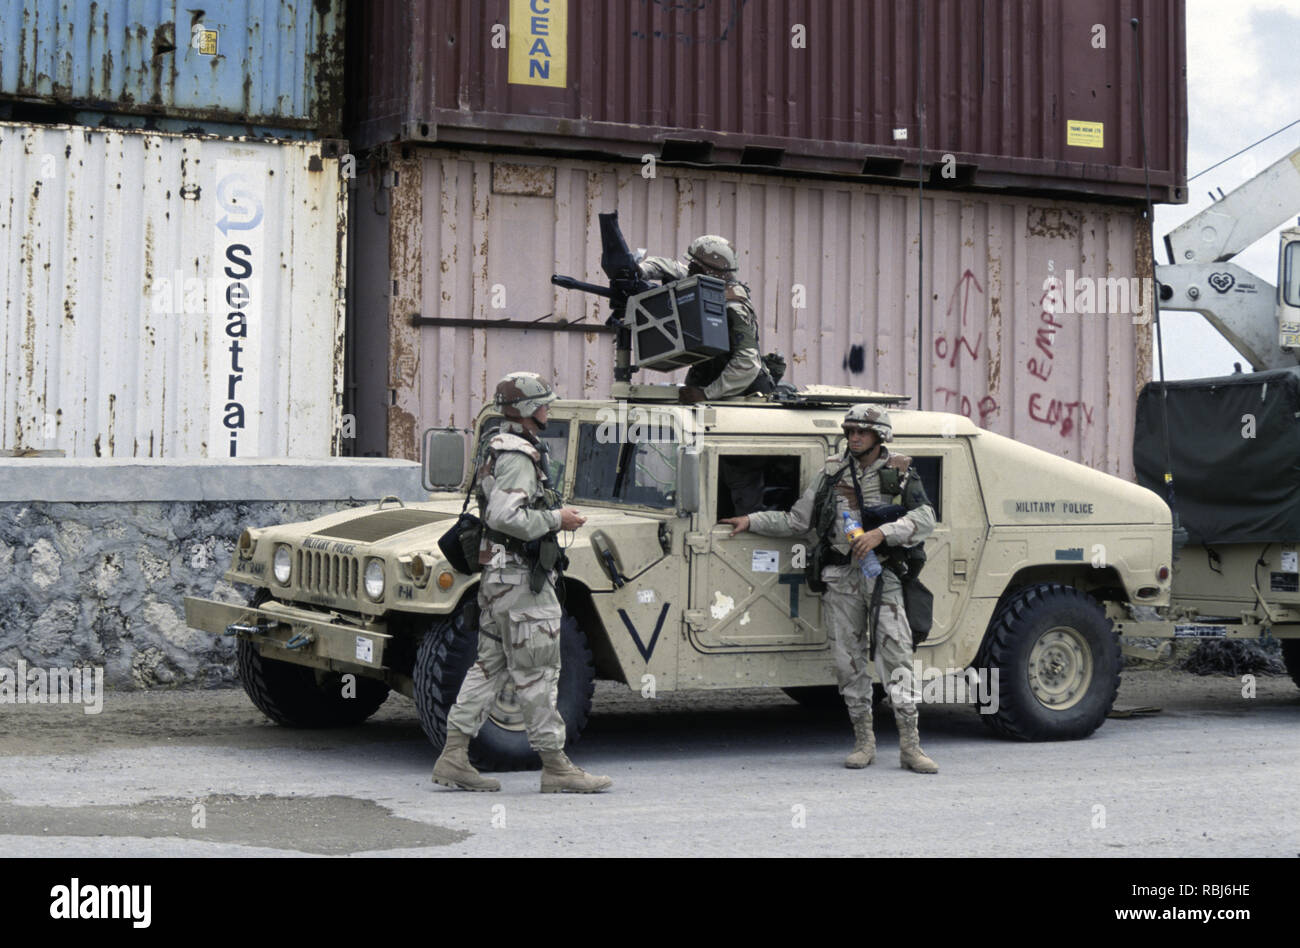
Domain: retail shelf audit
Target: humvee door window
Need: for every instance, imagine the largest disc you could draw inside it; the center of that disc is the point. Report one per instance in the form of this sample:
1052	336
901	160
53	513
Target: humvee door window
750	482
931	471
624	471
555	437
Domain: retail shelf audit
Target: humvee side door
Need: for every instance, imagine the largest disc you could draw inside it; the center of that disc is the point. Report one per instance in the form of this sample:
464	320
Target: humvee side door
747	592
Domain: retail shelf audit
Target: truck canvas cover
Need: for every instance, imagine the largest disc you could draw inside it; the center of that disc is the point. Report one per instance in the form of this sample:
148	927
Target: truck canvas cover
1235	454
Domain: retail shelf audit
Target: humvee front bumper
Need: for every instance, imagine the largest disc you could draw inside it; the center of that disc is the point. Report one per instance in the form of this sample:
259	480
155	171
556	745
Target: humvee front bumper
292	634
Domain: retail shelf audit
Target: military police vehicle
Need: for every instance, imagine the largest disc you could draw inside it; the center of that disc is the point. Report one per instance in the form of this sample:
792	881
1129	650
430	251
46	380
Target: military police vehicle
1035	562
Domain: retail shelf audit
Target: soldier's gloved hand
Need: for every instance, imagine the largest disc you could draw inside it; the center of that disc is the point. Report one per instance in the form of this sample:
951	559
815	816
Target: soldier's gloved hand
690	394
738	524
570	519
867	542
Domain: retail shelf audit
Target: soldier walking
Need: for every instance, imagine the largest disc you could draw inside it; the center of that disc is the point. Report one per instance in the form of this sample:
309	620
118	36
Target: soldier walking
865	616
519	613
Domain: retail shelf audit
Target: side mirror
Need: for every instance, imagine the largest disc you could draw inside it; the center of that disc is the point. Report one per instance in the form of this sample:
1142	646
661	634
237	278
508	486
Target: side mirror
688	480
443	458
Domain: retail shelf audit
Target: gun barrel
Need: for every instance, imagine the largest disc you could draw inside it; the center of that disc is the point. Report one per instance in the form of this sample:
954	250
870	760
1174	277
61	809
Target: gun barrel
569	283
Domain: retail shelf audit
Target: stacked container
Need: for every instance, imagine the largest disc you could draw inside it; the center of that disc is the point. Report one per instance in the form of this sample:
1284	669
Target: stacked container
174	267
497	130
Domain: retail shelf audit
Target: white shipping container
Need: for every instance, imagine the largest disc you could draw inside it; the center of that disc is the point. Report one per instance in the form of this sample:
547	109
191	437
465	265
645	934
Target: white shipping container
832	266
170	296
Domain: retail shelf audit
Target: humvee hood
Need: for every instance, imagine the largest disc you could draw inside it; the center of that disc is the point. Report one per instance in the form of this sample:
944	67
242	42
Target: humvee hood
1026	485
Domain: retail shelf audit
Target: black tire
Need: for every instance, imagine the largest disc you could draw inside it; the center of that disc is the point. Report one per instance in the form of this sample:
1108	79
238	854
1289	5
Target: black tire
446	653
1291	658
1075	668
298	696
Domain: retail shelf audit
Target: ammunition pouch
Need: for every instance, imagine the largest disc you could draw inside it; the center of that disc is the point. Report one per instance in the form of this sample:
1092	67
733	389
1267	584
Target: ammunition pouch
542	555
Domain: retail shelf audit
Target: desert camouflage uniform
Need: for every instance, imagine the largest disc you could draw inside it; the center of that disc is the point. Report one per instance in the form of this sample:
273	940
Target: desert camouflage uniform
519	630
848	594
736	372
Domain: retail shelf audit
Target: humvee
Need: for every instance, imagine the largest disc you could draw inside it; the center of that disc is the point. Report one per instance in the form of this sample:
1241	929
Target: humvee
1031	559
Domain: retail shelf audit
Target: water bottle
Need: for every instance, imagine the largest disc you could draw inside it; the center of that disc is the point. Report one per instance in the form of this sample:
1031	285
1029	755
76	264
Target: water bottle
852	529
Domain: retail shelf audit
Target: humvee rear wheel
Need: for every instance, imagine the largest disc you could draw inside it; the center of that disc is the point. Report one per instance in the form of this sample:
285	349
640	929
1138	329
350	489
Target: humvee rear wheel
1291	656
298	696
446	653
1057	662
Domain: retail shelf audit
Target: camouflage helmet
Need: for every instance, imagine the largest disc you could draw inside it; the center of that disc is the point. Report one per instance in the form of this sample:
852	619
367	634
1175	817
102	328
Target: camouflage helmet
715	255
521	394
871	418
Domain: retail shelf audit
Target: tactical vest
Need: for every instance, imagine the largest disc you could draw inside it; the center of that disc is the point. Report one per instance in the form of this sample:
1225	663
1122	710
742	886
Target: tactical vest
705	373
542	554
903	562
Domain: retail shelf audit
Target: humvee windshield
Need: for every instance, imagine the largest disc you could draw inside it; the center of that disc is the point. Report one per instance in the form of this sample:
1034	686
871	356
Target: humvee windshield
627	472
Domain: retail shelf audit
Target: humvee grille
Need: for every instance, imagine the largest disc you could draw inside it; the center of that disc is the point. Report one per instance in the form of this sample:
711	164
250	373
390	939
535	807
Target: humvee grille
329	574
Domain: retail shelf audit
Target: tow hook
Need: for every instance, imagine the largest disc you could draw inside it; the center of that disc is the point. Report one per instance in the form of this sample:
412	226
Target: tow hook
301	640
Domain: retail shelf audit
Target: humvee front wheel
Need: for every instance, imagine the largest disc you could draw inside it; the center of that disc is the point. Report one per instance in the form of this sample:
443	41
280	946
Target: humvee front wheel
298	696
446	653
1057	661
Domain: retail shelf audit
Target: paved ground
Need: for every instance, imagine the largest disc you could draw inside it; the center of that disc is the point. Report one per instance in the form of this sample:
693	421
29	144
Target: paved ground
733	773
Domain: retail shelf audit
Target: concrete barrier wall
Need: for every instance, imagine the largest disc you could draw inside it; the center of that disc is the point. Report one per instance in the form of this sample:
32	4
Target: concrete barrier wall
96	556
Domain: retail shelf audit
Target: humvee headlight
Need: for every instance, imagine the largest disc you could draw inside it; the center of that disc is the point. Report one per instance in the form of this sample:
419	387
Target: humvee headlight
280	564
445	580
375	579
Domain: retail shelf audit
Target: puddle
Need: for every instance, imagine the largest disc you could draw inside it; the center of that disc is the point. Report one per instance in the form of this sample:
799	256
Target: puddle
328	826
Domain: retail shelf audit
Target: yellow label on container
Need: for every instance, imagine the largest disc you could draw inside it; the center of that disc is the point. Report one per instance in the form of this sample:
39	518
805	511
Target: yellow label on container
1084	134
539	42
204	40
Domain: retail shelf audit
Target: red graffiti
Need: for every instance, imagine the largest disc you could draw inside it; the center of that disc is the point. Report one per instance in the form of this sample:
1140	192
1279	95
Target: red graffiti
986	406
941	348
1059	412
963	288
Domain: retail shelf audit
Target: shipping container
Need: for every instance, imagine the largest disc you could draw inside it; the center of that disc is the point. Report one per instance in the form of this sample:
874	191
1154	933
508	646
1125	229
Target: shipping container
1027	94
169	296
254	63
1034	317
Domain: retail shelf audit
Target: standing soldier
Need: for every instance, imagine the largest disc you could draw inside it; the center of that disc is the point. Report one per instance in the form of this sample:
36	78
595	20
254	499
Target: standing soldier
865	616
739	371
519	630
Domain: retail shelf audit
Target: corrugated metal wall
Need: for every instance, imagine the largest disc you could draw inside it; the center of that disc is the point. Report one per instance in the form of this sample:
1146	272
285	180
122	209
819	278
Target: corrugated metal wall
128	260
265	62
832	266
798	84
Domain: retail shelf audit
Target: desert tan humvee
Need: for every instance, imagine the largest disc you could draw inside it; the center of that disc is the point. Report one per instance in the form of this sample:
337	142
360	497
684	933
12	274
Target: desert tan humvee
1032	558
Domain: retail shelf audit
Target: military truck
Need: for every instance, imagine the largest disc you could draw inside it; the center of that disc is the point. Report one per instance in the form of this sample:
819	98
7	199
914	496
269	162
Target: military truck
1031	558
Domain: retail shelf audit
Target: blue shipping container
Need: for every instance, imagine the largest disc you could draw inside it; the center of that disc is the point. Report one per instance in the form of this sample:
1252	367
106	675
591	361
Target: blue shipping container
271	63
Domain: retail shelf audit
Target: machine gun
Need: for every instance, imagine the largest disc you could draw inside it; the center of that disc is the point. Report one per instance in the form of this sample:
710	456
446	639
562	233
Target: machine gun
664	328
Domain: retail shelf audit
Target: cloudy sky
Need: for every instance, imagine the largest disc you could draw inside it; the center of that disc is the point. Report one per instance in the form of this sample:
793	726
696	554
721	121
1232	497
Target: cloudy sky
1241	85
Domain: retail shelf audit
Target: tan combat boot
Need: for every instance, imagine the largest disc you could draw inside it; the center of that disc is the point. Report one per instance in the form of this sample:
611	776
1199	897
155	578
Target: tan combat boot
909	743
864	748
559	775
453	768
